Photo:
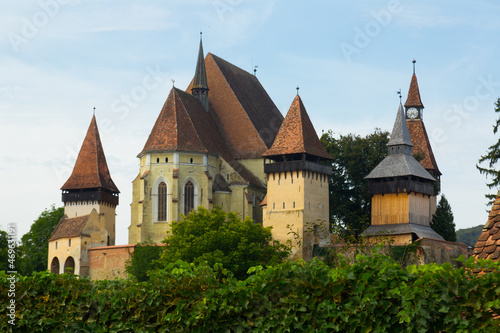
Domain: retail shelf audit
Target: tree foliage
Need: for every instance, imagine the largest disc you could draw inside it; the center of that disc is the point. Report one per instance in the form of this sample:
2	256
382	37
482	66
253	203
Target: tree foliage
219	237
34	246
143	260
491	158
469	236
442	220
354	158
374	294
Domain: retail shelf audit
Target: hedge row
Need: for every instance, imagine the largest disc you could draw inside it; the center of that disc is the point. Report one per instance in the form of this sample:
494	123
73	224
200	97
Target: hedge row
372	295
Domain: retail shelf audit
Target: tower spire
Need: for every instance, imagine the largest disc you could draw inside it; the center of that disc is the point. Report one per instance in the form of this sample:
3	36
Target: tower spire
200	87
413	99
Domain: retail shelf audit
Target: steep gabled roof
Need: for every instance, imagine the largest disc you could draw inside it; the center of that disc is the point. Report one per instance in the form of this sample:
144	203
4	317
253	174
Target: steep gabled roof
69	227
413	98
488	244
241	105
422	144
91	169
297	134
183	125
174	129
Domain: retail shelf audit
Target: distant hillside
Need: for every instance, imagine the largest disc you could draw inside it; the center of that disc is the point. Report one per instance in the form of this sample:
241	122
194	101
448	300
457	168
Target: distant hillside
469	236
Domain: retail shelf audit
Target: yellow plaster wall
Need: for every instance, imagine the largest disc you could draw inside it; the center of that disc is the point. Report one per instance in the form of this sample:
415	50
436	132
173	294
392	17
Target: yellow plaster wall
297	209
64	251
256	166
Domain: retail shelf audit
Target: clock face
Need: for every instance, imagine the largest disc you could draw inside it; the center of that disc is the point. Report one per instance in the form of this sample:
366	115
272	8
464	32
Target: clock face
412	113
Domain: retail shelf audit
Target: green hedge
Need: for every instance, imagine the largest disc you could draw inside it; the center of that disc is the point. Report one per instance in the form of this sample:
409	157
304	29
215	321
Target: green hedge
372	295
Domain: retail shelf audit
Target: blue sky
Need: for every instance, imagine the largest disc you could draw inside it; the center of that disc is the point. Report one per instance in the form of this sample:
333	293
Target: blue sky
61	58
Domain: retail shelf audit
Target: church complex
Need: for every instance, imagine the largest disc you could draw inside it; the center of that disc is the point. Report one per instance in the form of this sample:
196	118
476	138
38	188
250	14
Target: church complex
223	142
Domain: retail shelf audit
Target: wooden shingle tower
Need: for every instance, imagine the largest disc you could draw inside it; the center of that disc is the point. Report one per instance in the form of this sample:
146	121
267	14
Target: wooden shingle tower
401	190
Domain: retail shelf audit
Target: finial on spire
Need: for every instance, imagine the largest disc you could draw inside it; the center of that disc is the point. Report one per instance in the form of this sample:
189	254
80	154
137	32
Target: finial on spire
255	70
414	61
297	90
399	94
94	110
201	34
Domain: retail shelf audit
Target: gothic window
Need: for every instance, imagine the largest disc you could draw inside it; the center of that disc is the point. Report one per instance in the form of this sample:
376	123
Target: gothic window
162	201
188	197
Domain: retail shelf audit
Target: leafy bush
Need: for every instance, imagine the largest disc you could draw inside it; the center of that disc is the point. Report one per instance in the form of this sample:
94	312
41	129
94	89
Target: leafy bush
373	294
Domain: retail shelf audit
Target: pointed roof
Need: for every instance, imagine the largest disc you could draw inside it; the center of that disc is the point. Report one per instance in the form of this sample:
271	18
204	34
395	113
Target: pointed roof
183	125
297	134
488	244
91	169
174	129
241	105
399	162
200	76
400	134
413	98
422	145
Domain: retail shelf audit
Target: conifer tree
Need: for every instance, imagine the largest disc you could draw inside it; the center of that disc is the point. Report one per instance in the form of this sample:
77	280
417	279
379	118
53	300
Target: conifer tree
492	156
442	221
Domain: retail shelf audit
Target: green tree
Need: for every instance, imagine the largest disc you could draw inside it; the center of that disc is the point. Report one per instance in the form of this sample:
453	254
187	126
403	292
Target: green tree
34	244
4	250
491	158
354	158
469	236
442	220
143	260
219	237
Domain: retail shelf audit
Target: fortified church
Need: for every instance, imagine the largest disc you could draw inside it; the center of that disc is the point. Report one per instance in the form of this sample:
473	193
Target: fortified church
223	142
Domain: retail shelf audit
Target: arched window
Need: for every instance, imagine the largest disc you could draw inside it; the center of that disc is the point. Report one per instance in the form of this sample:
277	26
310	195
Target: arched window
188	197
162	201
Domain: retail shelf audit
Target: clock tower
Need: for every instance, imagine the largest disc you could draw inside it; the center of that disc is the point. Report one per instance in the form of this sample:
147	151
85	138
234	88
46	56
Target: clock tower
422	149
413	106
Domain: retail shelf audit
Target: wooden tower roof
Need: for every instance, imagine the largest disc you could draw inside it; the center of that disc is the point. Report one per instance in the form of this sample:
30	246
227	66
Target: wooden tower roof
297	135
91	170
422	145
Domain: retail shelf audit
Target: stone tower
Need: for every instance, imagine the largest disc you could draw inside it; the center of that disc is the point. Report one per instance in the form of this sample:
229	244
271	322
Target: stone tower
401	190
297	169
90	198
422	149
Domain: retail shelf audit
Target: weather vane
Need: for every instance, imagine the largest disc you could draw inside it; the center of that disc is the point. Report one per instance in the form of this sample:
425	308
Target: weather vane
297	90
173	83
399	94
255	70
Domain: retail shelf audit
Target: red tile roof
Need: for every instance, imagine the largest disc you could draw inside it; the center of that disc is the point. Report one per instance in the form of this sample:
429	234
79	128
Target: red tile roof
297	134
245	114
91	169
421	144
183	125
414	94
488	244
69	227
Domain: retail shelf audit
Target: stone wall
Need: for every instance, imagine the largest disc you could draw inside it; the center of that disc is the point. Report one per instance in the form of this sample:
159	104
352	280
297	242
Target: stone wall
108	262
